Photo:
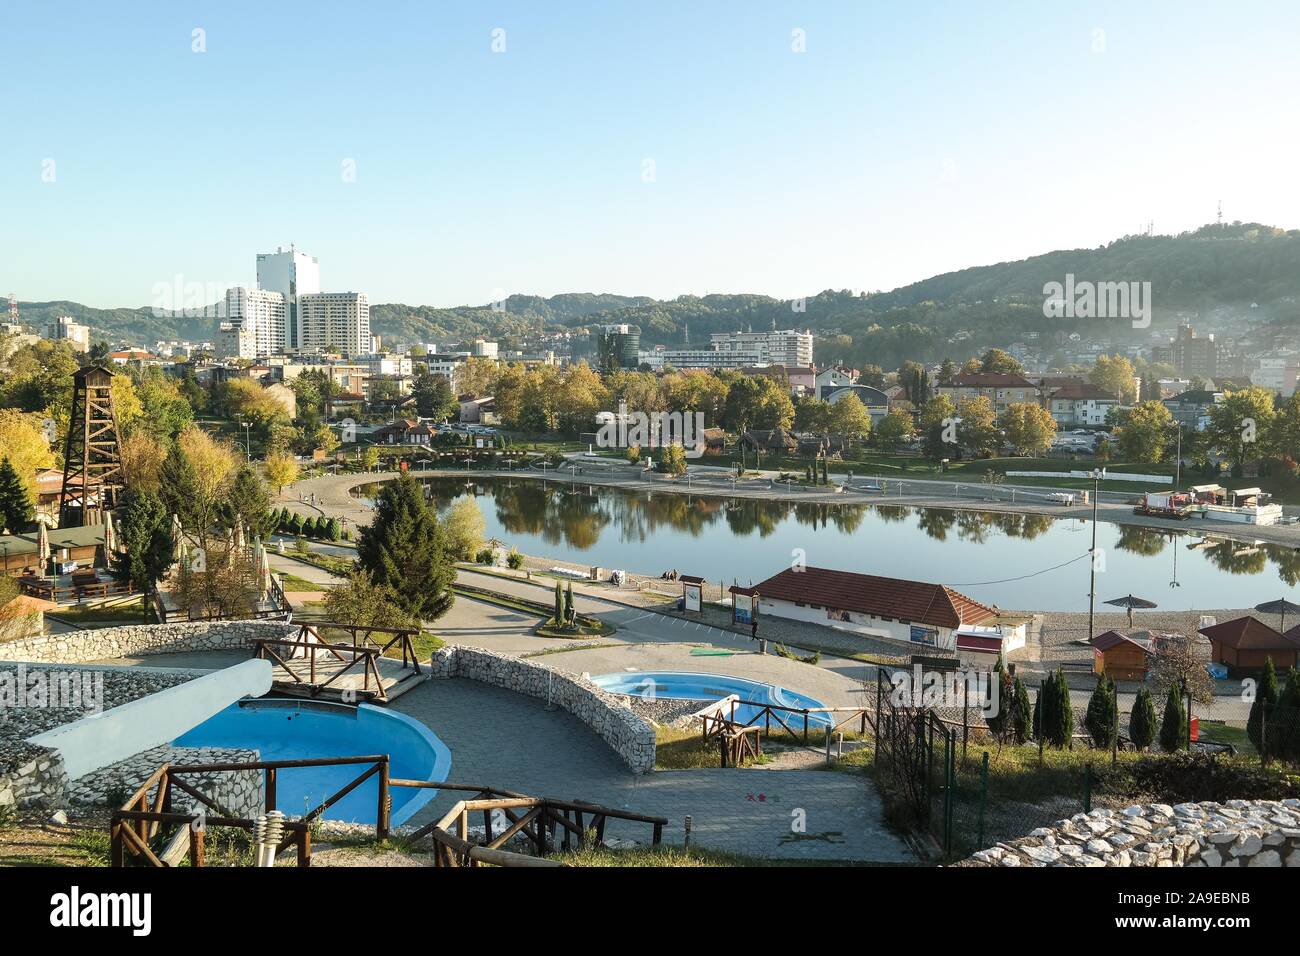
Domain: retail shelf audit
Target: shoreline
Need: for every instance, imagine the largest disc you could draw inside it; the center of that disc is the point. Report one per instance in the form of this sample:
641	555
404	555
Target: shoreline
328	489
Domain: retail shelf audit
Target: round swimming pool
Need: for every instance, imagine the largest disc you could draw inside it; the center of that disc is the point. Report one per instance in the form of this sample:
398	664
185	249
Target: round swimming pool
683	685
299	730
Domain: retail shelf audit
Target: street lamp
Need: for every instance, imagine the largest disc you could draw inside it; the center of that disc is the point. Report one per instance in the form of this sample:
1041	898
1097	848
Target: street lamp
1092	553
1178	456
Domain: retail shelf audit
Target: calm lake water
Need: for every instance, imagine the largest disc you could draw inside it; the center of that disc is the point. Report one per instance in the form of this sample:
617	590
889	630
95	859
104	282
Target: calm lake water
1013	561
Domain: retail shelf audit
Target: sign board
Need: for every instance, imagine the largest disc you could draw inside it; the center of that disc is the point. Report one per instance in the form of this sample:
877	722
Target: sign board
693	596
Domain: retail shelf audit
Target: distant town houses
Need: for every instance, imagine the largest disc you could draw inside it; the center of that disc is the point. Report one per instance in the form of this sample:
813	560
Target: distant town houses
1080	404
1192	409
1000	388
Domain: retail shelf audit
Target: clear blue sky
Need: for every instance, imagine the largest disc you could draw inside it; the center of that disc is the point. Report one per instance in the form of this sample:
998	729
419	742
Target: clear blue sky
908	140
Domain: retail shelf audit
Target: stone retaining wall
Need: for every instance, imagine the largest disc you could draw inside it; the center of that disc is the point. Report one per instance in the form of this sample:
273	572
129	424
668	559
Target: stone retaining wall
237	791
138	640
1233	834
30	776
631	736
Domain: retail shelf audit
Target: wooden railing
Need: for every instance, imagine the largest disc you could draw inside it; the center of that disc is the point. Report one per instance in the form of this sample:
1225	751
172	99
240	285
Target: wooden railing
537	818
137	829
73	593
362	636
264	649
741	740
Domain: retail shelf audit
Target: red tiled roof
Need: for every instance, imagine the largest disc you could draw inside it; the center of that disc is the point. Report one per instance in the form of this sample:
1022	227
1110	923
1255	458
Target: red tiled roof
1104	642
1249	634
878	596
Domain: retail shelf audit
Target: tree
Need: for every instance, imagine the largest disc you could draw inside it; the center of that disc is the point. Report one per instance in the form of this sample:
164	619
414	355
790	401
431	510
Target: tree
996	360
370	457
1265	702
849	417
1055	720
1242	424
634	455
404	548
433	396
1021	717
570	610
145	539
936	414
559	605
894	429
1029	428
1101	721
1142	719
16	513
196	479
977	430
464	528
672	460
324	440
281	470
1173	726
142	459
812	415
1115	375
1145	432
250	502
22	442
363	602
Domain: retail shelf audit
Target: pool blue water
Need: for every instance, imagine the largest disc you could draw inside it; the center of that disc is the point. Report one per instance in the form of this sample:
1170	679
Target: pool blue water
296	730
688	686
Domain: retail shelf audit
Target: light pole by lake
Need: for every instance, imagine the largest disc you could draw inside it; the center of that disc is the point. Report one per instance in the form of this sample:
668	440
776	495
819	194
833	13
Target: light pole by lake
1092	553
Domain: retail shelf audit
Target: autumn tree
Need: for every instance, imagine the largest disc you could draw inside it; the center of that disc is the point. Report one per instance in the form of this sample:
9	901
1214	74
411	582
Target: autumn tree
281	470
1115	375
1145	432
1028	427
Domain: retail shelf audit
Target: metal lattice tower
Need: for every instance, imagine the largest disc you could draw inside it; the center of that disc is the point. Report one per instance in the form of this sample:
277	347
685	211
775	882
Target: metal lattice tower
92	461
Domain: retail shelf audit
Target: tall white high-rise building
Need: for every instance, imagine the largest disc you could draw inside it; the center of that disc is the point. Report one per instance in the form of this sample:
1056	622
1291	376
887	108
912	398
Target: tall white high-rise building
334	321
255	323
778	347
292	274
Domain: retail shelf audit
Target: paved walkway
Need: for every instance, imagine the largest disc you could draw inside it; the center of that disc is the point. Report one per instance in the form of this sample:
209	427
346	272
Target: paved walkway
502	739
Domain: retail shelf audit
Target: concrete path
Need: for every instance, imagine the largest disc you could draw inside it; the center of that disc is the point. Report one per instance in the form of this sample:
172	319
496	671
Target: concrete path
502	739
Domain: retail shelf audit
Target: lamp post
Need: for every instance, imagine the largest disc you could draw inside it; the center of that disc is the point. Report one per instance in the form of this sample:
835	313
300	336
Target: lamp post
1178	456
1092	553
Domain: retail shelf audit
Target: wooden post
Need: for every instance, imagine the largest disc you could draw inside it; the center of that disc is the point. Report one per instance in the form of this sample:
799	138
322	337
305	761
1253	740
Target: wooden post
381	821
196	846
270	788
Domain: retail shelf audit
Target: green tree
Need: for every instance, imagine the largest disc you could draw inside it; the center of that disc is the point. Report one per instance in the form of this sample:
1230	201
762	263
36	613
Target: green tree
849	417
16	513
1173	726
978	429
894	429
250	500
1266	697
464	526
1022	719
404	549
672	460
996	360
362	601
1101	721
1142	719
1029	428
1115	375
1144	432
1056	716
433	396
559	604
145	540
570	611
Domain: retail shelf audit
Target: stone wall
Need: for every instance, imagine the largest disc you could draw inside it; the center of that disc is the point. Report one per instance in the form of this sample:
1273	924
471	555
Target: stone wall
138	640
30	776
631	736
1233	834
237	791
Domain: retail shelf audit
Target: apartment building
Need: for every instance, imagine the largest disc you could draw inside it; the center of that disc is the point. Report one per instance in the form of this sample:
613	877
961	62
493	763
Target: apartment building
334	321
999	388
66	330
255	323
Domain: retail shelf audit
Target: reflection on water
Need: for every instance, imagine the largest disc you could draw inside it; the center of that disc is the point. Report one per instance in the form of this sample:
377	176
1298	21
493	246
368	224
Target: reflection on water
998	558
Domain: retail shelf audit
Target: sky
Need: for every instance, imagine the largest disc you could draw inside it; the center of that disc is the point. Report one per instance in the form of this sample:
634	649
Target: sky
448	153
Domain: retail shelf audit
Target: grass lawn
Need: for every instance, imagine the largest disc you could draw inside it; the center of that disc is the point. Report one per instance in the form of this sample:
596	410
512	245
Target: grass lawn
131	612
291	582
684	750
1223	734
664	856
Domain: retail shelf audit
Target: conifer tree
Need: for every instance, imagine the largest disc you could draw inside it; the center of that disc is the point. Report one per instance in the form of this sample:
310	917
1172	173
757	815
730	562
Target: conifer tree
16	513
1022	718
1173	726
1266	696
1101	720
1142	719
404	549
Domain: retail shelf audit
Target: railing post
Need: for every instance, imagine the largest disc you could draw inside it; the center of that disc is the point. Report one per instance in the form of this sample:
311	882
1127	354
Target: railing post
270	789
381	820
805	726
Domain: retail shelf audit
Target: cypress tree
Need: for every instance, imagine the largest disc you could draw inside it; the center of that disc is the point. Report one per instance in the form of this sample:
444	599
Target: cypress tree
404	549
144	532
16	513
1101	721
1173	726
559	605
332	529
1038	712
1021	716
1266	696
570	613
1142	719
999	722
1286	729
1059	725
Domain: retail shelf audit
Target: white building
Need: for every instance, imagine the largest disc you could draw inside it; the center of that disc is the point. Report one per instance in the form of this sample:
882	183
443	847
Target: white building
733	350
1278	372
334	321
292	274
65	329
255	323
482	349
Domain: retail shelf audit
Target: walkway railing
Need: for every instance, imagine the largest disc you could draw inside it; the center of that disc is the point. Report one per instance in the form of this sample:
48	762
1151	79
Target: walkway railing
73	593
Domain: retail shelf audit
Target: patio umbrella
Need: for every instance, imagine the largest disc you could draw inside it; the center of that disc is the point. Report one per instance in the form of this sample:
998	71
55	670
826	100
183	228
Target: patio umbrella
110	537
1282	607
43	545
1129	602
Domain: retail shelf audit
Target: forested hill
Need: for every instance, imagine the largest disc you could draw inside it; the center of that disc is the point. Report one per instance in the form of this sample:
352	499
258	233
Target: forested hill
1230	266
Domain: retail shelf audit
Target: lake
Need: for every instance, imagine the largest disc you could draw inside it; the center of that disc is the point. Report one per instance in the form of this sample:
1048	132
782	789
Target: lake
1023	562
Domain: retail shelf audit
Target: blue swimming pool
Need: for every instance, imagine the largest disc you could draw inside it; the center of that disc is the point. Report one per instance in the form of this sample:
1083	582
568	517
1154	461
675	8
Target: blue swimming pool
683	685
297	730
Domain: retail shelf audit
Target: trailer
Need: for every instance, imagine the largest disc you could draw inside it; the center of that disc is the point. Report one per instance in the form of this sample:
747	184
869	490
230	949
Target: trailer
1165	504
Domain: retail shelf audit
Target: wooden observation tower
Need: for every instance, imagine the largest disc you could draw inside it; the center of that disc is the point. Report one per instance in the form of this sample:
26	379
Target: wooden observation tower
92	460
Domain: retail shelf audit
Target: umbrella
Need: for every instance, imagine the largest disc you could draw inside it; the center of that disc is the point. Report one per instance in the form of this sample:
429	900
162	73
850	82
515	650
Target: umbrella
1282	607
1129	602
110	537
43	545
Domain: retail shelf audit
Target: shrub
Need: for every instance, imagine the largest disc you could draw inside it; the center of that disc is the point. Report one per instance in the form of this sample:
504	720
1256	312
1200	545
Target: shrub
514	560
1266	696
1173	726
1142	720
485	556
1101	720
